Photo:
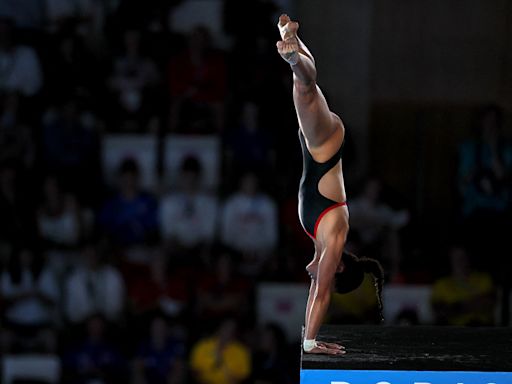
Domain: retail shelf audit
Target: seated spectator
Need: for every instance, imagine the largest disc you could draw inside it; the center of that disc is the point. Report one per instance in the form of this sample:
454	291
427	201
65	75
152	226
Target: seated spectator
253	70
29	294
94	359
21	70
16	139
377	225
221	358
197	82
157	289
222	292
70	145
271	364
485	167
132	78
297	244
357	307
485	186
249	224
60	11
60	220
94	287
130	217
166	41
28	16
248	146
188	217
160	358
72	69
62	224
465	297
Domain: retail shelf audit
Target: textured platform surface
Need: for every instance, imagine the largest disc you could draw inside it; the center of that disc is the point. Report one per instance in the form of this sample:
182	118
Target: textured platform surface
415	349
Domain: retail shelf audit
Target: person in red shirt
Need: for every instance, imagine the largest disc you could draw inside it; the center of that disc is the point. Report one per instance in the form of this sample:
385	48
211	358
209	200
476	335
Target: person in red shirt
197	86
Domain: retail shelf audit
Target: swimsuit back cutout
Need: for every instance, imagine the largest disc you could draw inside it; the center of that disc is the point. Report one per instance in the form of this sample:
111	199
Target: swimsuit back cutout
312	204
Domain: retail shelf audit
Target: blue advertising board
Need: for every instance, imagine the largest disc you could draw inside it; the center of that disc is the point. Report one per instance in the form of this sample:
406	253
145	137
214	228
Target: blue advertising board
314	376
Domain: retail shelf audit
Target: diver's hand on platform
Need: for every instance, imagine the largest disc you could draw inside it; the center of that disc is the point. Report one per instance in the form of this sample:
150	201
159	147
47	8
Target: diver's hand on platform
331	345
322	349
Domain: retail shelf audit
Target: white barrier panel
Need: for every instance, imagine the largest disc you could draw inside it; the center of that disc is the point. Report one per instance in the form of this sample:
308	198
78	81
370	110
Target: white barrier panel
141	148
283	304
205	148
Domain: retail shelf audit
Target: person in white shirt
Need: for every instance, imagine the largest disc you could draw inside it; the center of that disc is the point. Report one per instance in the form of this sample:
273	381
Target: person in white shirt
60	220
20	70
378	225
249	223
188	216
94	288
29	294
26	14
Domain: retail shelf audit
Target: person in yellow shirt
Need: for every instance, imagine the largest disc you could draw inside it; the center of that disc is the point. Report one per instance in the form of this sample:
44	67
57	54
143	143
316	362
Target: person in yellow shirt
357	307
466	297
221	359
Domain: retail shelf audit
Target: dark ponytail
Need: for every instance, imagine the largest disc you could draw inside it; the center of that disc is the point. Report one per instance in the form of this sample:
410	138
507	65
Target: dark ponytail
353	275
375	268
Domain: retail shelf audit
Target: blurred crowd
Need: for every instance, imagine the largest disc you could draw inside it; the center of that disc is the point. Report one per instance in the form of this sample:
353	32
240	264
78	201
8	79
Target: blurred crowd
158	285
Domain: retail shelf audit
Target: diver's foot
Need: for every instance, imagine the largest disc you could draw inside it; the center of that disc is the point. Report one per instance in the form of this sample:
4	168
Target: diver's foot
287	27
288	47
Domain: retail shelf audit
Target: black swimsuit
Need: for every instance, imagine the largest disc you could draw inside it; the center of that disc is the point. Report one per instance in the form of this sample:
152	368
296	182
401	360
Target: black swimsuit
312	204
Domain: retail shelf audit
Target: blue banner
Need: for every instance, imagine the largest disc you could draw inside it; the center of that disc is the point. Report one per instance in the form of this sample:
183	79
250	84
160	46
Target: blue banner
317	376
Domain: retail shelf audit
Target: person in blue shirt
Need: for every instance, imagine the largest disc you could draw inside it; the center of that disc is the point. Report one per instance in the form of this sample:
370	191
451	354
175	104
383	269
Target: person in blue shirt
160	359
130	217
485	167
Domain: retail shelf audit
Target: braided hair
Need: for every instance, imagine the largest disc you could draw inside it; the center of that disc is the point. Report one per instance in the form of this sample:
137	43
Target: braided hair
353	275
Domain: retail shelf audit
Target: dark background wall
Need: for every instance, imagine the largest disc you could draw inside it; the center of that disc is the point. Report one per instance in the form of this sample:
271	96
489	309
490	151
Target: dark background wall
407	77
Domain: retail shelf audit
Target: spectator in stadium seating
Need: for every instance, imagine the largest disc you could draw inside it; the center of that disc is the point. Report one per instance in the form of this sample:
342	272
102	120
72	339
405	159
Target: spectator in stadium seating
130	217
131	81
249	224
271	359
377	225
72	69
465	297
94	287
197	85
28	15
70	145
221	358
60	11
29	293
221	292
485	188
248	146
61	222
188	216
166	42
95	359
16	139
156	288
20	68
356	307
485	167
253	69
160	358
